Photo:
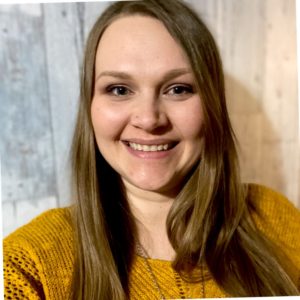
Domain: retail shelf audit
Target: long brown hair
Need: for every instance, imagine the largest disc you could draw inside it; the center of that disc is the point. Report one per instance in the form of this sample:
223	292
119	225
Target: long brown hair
210	217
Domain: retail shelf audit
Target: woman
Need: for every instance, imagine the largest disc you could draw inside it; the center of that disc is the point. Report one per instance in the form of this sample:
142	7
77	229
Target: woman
160	211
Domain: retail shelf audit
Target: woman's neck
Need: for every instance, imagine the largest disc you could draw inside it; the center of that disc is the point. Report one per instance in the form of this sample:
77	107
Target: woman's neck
150	210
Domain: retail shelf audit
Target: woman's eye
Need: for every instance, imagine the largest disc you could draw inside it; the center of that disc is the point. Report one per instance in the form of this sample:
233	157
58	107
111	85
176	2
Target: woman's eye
180	90
118	90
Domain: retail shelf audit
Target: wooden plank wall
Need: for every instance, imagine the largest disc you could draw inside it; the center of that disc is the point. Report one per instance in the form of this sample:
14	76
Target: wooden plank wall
40	54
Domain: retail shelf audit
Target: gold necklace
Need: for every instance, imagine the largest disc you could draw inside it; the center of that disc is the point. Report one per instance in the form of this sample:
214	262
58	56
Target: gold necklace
143	253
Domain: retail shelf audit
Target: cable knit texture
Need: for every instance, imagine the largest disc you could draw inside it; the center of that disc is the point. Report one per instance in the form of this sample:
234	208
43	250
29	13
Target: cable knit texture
39	257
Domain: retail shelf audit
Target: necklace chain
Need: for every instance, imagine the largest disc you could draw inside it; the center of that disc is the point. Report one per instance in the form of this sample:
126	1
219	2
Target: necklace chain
143	253
145	256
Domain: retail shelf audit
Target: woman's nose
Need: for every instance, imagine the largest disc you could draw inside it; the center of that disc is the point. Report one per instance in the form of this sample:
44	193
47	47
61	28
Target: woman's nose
149	114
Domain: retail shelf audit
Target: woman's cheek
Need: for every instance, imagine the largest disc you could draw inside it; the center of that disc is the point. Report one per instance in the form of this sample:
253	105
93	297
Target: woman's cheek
108	120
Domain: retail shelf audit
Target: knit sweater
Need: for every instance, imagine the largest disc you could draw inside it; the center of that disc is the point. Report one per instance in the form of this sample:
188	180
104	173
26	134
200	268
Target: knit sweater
39	257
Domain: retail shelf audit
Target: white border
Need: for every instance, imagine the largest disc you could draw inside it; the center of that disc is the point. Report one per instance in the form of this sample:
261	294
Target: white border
49	1
298	59
298	72
69	1
257	298
1	243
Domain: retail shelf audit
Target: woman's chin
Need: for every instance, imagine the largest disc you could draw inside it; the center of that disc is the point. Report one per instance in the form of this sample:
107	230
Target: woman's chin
167	187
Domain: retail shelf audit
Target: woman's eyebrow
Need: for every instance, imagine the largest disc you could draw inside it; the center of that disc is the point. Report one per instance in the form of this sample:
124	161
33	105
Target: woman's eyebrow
166	77
117	74
176	73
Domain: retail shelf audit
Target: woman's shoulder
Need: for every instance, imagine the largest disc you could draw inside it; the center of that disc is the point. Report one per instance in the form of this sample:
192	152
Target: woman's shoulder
275	215
47	227
45	236
39	256
272	203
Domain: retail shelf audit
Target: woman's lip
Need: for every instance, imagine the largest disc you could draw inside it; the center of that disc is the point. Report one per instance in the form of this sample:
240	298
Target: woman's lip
150	142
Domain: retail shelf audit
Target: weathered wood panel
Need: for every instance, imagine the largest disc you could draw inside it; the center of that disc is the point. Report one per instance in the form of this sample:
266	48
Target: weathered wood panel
63	44
26	136
40	54
280	103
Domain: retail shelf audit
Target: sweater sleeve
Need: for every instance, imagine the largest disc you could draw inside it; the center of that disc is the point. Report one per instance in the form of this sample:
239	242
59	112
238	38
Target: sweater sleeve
21	277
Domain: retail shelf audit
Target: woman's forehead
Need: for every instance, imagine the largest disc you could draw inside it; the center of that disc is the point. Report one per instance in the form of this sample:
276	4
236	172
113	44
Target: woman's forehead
138	41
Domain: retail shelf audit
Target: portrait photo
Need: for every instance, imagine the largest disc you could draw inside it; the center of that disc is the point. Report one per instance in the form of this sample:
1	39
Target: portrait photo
150	149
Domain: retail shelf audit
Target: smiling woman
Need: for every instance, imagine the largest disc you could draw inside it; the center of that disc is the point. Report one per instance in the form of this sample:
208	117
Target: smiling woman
160	209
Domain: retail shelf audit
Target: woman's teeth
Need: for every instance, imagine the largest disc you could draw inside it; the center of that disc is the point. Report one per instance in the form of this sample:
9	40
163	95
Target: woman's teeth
149	148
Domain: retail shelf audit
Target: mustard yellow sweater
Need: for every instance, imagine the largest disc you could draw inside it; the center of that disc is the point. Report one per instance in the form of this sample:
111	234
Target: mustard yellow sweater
39	257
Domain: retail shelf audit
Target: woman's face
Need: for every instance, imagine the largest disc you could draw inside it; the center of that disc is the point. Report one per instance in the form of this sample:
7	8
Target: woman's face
146	112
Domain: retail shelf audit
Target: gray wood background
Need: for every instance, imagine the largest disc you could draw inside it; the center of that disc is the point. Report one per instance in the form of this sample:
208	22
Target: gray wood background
41	48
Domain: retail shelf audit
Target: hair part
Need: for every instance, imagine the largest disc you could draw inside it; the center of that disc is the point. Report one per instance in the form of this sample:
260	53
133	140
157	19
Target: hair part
209	222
